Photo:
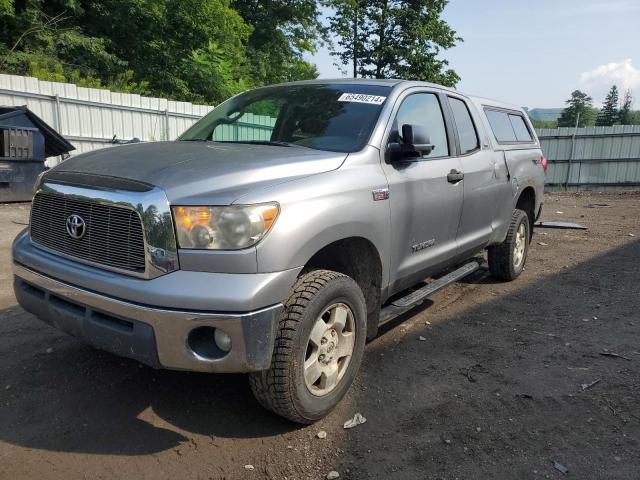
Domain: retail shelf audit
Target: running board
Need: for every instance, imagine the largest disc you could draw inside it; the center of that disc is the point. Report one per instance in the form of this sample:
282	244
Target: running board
401	305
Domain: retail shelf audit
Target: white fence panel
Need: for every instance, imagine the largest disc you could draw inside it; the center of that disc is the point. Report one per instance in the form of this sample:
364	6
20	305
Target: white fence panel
89	117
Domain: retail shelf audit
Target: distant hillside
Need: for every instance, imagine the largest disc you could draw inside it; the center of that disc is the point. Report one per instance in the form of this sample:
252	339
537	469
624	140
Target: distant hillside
544	114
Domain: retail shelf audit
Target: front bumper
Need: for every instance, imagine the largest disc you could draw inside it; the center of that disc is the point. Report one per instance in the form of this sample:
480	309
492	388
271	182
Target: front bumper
151	335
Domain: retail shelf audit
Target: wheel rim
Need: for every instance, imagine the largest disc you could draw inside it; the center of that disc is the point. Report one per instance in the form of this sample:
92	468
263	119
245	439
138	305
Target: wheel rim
520	246
329	349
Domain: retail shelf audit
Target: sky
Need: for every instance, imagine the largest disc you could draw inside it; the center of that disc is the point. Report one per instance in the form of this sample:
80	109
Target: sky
534	53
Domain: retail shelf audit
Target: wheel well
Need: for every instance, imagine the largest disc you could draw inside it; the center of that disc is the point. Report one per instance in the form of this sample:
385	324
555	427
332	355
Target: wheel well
527	202
358	258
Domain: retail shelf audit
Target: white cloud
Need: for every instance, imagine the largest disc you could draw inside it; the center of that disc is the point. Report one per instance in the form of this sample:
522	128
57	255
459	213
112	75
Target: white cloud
598	81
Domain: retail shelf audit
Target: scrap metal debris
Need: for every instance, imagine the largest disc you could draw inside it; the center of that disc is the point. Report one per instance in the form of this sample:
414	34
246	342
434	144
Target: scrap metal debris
553	335
615	355
561	468
586	386
598	205
563	225
321	434
357	419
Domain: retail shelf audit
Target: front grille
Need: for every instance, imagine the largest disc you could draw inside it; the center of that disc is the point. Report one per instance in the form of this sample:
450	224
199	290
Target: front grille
113	235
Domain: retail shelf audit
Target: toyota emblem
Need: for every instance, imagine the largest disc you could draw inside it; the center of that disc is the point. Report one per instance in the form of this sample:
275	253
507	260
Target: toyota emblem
76	227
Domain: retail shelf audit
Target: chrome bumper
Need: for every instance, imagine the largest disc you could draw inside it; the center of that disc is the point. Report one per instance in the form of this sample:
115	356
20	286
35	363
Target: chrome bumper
155	336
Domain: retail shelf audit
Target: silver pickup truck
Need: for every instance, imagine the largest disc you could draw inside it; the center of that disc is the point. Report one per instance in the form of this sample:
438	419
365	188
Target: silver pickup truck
278	232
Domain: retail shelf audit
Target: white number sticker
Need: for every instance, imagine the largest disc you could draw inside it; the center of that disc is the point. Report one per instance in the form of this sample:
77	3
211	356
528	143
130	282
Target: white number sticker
362	98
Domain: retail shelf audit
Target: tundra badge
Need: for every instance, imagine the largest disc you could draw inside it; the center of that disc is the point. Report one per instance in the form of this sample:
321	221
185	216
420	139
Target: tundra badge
422	245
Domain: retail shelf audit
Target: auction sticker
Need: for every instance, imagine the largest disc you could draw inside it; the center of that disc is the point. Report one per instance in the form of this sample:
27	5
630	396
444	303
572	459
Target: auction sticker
362	98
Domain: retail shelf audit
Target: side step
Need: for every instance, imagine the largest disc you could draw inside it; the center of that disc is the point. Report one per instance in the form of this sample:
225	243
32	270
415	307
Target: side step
401	305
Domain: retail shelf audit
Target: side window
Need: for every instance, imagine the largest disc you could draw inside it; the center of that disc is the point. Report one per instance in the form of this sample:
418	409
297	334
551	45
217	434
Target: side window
423	109
464	125
501	126
508	127
522	132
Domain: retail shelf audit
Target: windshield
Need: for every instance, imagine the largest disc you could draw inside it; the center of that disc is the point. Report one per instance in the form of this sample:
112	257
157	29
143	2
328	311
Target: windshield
335	117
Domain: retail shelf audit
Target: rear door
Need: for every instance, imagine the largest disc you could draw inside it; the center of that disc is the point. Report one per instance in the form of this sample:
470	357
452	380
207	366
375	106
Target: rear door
481	167
519	149
425	205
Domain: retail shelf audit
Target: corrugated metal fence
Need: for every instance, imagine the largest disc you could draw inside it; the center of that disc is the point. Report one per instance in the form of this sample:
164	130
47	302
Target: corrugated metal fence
583	158
90	117
593	158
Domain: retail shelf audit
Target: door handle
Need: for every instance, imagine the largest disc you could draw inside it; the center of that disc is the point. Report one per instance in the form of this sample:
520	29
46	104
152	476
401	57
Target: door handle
455	176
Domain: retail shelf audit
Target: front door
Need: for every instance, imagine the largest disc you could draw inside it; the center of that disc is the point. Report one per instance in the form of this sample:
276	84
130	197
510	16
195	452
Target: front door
425	202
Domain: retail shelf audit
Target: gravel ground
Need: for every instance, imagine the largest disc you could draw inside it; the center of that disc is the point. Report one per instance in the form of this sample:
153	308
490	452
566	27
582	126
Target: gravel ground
495	388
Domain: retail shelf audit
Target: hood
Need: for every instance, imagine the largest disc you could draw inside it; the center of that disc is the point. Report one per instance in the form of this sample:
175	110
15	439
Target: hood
204	173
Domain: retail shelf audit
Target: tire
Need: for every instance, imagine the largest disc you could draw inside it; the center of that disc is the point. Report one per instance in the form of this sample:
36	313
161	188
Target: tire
286	388
505	262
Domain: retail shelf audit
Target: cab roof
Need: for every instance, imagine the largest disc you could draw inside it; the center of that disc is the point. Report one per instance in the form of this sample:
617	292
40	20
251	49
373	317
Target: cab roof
394	82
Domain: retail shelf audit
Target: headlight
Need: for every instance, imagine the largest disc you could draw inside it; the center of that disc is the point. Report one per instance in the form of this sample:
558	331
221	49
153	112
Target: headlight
223	228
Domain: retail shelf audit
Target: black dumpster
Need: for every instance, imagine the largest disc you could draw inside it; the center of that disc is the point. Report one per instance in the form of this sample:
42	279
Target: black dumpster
25	143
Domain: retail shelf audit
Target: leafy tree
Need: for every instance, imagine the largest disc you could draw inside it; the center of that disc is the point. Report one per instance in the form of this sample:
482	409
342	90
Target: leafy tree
625	114
579	111
6	7
42	38
282	32
609	113
348	27
393	38
183	48
192	50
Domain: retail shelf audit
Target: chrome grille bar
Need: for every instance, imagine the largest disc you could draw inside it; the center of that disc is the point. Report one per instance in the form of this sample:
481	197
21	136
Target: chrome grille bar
114	234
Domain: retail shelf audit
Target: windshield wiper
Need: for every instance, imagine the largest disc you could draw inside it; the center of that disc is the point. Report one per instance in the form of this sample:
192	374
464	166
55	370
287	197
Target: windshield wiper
194	140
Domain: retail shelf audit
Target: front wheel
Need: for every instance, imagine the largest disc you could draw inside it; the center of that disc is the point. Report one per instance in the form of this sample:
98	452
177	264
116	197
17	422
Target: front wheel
318	348
506	260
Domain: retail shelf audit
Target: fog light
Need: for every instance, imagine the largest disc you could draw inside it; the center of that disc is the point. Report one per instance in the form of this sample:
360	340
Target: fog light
209	343
223	340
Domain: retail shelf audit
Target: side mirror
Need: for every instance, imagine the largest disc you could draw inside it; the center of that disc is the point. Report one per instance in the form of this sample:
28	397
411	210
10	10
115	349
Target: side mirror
417	136
414	143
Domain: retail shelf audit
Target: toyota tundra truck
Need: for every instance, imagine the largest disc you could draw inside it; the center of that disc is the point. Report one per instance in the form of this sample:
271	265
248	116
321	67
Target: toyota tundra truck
281	230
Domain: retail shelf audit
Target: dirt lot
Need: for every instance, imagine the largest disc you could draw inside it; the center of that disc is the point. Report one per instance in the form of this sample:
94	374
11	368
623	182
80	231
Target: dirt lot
493	390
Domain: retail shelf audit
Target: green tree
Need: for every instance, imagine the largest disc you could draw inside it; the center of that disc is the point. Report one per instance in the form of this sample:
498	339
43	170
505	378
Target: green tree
579	111
350	31
183	48
393	38
625	114
6	7
192	50
282	32
609	113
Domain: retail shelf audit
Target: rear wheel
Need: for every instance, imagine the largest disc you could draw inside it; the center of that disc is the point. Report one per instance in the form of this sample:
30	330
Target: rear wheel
318	349
506	260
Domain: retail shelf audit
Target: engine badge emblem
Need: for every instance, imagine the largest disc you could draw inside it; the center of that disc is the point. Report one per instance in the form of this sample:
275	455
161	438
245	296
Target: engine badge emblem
380	194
